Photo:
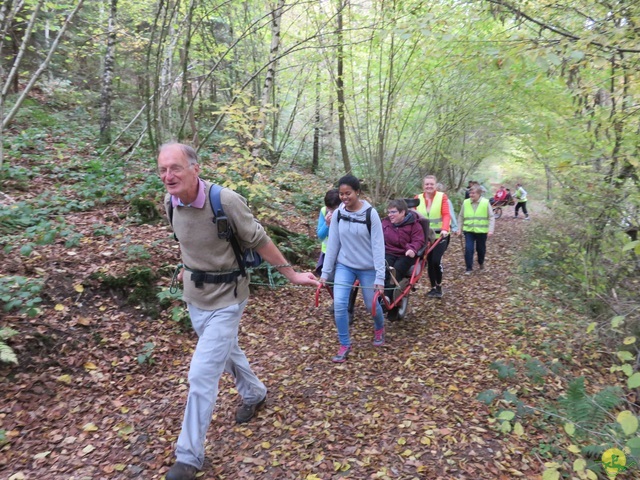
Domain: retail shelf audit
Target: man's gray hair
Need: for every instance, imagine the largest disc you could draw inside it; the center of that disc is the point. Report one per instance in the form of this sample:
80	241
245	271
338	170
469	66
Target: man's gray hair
188	151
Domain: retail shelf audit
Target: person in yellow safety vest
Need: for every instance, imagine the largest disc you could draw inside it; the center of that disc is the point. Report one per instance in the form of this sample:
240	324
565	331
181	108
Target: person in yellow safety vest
477	222
331	202
435	206
521	201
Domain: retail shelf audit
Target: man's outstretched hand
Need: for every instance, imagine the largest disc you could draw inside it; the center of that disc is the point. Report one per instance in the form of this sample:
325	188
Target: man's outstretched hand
304	278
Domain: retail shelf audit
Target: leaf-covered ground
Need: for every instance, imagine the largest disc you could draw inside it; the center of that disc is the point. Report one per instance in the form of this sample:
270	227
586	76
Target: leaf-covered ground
80	405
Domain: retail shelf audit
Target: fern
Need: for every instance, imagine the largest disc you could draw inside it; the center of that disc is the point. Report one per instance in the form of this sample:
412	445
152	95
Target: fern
609	398
505	370
589	411
536	371
594	451
6	354
6	332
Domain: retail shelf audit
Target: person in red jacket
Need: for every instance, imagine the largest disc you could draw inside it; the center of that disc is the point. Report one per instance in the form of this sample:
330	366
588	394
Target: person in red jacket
500	196
403	238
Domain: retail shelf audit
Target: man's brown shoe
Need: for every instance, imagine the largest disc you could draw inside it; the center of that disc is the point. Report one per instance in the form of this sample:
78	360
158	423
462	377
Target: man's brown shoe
181	471
246	411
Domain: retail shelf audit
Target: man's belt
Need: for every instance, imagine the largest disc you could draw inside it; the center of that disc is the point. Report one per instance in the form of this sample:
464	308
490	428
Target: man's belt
200	278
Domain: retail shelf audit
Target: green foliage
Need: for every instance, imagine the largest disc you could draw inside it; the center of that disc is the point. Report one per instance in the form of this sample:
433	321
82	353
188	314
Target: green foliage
536	370
173	299
588	411
29	140
137	285
21	294
487	397
505	370
102	230
144	211
136	253
305	203
7	355
146	356
149	187
589	419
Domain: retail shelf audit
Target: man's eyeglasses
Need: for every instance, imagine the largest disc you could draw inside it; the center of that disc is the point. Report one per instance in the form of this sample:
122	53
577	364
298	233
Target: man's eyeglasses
393	212
174	169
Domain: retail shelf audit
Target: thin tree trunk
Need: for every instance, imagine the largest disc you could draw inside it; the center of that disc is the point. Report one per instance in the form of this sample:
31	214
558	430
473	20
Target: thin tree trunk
8	12
269	78
340	92
315	162
13	73
107	77
43	66
187	92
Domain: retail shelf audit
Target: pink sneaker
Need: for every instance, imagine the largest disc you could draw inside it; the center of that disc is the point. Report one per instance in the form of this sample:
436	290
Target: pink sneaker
342	355
378	338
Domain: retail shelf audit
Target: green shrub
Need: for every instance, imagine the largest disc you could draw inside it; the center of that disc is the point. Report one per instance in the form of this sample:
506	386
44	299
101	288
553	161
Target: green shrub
21	294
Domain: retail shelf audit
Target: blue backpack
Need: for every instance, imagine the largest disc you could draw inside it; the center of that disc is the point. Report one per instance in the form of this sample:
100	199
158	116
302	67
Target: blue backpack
248	258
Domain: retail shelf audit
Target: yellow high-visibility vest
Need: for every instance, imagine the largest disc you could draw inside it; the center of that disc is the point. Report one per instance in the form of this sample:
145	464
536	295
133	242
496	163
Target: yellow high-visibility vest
478	221
323	246
434	214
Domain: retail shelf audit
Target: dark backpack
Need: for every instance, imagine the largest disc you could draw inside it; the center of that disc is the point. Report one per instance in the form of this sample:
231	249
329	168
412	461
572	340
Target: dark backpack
248	258
367	220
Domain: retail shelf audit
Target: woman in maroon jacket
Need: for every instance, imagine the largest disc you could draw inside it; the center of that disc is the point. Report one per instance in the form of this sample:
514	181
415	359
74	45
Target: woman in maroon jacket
403	238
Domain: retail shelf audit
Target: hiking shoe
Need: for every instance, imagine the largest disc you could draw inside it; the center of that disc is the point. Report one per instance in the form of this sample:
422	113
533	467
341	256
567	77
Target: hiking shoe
342	355
438	291
181	471
247	411
527	217
468	272
432	293
481	265
378	338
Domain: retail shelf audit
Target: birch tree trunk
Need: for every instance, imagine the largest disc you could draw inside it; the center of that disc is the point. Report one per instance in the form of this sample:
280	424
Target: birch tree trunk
6	120
13	73
315	162
340	91
8	12
186	99
43	66
276	16
107	77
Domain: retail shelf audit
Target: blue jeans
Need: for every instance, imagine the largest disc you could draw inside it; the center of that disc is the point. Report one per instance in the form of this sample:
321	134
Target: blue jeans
344	278
217	352
477	241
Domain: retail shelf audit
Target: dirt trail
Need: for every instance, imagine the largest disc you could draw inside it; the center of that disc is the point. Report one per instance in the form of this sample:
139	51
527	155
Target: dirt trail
87	409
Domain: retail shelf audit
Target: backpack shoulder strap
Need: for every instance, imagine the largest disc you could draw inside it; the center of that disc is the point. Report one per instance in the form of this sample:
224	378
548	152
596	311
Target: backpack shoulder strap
224	228
214	198
169	206
368	219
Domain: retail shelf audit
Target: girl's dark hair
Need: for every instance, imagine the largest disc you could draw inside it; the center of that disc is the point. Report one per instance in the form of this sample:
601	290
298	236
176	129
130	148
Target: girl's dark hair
350	180
398	204
332	198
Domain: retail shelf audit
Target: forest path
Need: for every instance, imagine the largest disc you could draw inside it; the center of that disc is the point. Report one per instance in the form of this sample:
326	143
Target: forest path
85	408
